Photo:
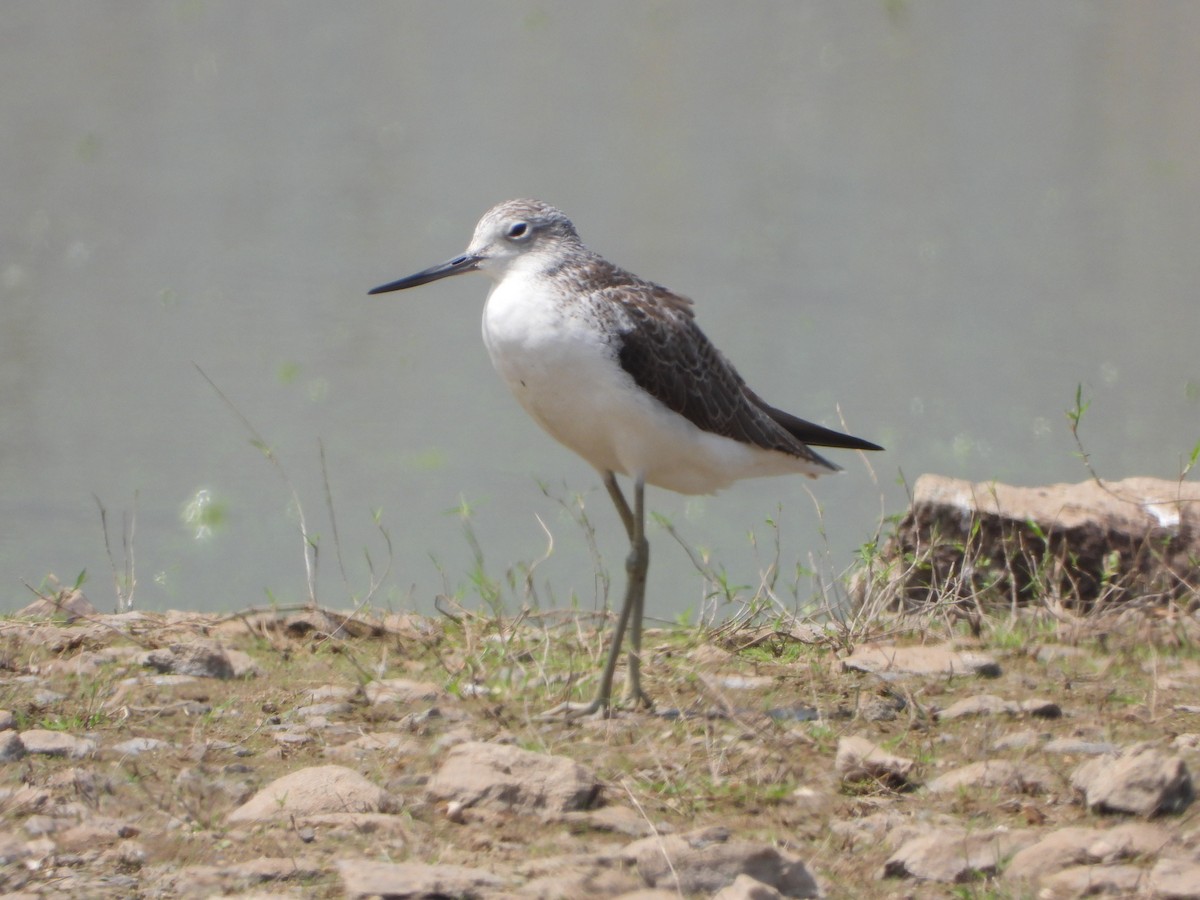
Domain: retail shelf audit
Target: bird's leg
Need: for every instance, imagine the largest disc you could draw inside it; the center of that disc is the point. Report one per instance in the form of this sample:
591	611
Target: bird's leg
636	566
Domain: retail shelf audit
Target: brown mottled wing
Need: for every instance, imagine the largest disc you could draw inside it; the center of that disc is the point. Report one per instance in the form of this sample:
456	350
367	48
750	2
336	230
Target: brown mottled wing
669	357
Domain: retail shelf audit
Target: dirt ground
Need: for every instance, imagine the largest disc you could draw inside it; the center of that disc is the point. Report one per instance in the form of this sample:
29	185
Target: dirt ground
744	735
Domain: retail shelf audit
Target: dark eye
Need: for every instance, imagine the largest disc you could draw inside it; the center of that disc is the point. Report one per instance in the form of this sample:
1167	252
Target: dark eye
518	230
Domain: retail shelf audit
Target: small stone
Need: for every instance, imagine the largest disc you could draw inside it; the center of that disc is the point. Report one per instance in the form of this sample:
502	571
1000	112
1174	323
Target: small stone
1018	740
995	773
327	709
860	760
400	881
1077	747
39	741
953	857
138	745
11	746
746	888
1074	846
1092	881
203	659
705	861
1175	879
401	691
1142	780
921	660
318	789
506	778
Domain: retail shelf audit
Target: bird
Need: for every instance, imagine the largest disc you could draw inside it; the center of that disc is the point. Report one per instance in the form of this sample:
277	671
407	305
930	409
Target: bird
615	368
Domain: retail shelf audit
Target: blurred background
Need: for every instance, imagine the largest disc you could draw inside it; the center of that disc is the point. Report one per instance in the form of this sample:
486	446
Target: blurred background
930	219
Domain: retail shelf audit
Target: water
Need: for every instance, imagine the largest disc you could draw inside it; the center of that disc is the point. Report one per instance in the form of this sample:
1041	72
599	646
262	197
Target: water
939	218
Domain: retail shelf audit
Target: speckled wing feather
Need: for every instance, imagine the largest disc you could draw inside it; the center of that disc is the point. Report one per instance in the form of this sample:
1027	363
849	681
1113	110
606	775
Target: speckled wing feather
670	358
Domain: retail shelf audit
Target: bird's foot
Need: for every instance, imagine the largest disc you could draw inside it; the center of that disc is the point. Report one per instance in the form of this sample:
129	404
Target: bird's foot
568	710
598	708
639	699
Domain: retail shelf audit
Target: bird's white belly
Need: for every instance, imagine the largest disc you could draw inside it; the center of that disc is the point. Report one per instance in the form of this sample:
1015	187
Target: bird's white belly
559	366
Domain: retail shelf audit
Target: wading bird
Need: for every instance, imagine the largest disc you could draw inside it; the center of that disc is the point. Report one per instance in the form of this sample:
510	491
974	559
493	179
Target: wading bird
615	368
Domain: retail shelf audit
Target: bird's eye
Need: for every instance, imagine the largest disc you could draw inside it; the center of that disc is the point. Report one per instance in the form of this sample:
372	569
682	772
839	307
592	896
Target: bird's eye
518	230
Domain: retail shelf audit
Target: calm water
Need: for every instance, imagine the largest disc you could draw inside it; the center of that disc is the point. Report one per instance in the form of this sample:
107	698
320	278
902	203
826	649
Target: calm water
938	218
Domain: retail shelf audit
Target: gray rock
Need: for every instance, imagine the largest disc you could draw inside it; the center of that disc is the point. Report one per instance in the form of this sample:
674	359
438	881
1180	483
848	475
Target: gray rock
746	888
69	603
56	743
402	691
616	819
1025	778
1134	537
505	778
578	876
203	659
1092	881
1068	847
325	710
1018	740
990	704
1078	747
705	861
860	760
135	746
941	659
1142	780
12	849
318	789
1175	879
414	881
953	857
11	747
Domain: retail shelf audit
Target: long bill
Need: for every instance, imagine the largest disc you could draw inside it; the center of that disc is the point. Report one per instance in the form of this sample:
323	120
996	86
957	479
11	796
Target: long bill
456	266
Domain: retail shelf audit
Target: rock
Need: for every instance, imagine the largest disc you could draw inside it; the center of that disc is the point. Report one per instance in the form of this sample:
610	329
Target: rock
578	876
401	691
941	659
990	704
414	881
331	708
11	747
504	778
705	861
56	743
68	603
615	819
12	849
1068	847
746	888
1078	747
318	789
995	773
953	857
243	664
1175	879
1092	881
860	760
202	659
1018	740
135	746
7	720
1130	538
1142	780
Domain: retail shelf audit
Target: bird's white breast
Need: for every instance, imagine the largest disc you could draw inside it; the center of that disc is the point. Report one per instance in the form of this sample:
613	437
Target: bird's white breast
557	363
560	361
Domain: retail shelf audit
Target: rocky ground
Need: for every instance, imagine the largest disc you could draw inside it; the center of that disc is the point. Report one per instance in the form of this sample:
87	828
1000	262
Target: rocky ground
305	754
